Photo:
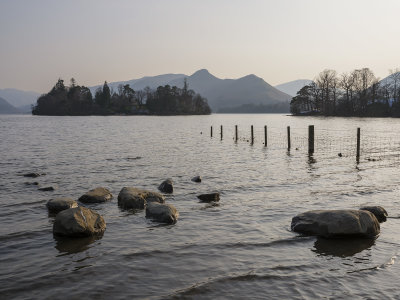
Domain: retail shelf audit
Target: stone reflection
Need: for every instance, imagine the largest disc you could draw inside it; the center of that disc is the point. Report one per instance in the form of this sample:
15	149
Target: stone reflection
67	245
342	247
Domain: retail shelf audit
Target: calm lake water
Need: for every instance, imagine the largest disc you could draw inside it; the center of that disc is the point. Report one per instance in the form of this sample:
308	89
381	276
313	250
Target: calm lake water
240	248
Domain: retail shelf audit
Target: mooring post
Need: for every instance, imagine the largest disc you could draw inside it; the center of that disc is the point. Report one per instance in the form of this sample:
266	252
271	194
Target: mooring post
211	131
222	135
252	135
236	133
311	139
358	143
288	137
265	136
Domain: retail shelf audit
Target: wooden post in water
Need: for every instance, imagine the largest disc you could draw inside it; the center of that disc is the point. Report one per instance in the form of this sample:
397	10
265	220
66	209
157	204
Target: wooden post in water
358	144
236	133
252	135
311	139
288	137
265	136
211	131
222	135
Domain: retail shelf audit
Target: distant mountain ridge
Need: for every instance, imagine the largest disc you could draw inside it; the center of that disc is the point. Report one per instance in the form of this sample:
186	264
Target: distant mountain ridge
7	108
292	87
19	98
222	94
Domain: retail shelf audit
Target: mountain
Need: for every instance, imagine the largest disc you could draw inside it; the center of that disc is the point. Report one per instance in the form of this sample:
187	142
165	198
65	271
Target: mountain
222	94
390	80
19	98
292	87
7	108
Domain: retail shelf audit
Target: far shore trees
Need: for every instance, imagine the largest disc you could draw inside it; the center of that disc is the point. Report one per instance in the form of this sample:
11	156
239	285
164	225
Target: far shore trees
358	93
77	100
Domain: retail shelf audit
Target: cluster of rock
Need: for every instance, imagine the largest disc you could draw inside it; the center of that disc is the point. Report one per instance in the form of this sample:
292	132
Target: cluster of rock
76	221
35	175
341	223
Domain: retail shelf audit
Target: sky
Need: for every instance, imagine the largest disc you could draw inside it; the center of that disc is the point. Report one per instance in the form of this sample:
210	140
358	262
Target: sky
118	40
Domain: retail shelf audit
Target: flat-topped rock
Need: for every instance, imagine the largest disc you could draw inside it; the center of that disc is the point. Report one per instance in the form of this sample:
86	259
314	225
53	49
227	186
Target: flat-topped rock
48	188
166	186
336	223
97	195
212	197
58	204
78	222
379	212
33	174
134	198
163	213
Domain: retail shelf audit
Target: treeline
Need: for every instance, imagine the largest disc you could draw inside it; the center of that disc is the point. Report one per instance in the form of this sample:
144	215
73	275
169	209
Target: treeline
75	100
358	93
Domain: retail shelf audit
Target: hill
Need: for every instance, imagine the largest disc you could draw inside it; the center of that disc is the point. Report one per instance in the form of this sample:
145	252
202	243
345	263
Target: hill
19	98
7	108
292	87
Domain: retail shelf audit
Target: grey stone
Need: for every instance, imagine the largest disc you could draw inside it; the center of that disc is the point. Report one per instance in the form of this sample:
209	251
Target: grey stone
196	179
79	222
212	197
134	198
166	186
378	211
58	204
336	223
97	195
163	213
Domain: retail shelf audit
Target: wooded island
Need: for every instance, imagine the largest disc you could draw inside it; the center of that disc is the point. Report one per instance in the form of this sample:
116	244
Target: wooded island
76	100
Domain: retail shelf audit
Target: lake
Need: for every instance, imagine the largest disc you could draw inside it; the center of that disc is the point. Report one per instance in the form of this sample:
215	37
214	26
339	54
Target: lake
241	247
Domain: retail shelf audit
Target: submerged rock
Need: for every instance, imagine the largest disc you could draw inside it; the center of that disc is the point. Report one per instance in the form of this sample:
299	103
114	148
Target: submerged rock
97	195
166	186
32	183
212	197
196	179
48	188
134	198
78	222
378	211
33	175
163	213
336	223
58	204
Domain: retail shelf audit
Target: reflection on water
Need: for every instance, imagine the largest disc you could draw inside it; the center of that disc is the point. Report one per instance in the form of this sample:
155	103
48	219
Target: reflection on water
342	247
67	245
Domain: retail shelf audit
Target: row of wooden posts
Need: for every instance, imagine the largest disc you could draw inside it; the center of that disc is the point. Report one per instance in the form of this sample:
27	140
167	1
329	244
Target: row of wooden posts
311	147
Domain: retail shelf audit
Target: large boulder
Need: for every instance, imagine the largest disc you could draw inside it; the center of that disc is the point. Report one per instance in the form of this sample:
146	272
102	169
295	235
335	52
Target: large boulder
163	213
336	223
378	211
212	197
58	204
134	198
78	222
166	186
97	195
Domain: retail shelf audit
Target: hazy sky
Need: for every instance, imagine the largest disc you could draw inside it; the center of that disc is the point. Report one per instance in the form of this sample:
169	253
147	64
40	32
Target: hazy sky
278	40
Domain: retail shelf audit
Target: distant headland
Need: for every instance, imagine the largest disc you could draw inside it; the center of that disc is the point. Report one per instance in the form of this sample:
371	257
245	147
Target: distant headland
75	100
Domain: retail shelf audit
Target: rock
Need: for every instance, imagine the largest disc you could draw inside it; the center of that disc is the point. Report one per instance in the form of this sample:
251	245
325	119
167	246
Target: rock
48	188
33	175
163	213
336	223
196	179
213	197
32	183
378	211
79	222
59	204
97	195
133	198
166	186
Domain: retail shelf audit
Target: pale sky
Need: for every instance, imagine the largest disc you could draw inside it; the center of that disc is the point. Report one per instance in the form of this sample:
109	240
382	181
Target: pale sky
116	40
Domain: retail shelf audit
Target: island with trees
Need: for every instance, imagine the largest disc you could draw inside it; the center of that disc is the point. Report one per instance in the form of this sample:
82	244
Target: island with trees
75	100
358	93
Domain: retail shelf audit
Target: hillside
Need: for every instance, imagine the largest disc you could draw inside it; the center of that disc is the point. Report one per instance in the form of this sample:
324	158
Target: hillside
19	98
7	108
292	87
